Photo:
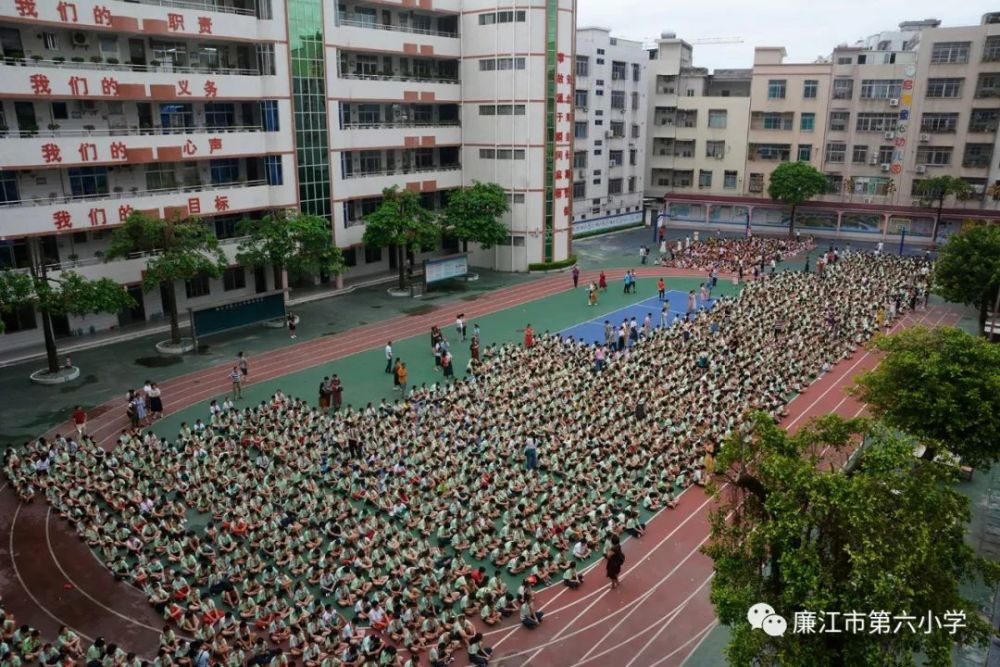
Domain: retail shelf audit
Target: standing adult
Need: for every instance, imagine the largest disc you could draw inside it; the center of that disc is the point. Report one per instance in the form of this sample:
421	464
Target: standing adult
529	337
293	324
599	358
388	356
614	560
576	276
446	365
592	294
155	401
602	282
80	420
661	288
325	390
474	349
692	304
401	378
460	325
628	282
336	392
237	380
244	363
530	453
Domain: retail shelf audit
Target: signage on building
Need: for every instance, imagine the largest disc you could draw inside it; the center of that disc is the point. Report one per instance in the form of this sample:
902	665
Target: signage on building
607	222
444	268
905	102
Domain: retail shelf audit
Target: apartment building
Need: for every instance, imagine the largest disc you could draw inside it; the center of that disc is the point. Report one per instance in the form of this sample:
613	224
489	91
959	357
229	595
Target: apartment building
697	129
876	117
609	151
108	107
226	109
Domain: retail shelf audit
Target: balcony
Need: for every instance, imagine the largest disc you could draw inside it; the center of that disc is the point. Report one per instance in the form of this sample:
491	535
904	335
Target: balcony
401	135
355	20
370	183
239	7
114	65
976	162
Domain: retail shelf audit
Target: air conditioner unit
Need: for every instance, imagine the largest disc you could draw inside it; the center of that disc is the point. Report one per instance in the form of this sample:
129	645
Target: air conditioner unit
718	156
885	167
889	135
581	173
874	160
921	168
584	109
614	163
80	39
607	134
924	138
868	200
894	102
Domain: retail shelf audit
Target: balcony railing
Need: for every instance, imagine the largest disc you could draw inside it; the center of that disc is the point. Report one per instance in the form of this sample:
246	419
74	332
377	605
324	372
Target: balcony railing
93	261
987	127
132	130
987	92
135	192
976	162
405	123
104	65
346	20
205	5
401	171
398	77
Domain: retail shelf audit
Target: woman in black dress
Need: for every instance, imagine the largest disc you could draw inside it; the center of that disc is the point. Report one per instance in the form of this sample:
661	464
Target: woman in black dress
614	561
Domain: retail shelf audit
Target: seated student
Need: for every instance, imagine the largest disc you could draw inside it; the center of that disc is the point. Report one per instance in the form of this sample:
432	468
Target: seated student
635	527
571	577
580	550
479	654
530	618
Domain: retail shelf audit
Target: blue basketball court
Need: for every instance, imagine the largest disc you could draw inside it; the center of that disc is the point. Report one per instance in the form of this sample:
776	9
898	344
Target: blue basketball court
592	331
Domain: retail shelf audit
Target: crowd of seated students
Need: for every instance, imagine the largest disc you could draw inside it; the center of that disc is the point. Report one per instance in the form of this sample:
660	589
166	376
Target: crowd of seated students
264	537
749	256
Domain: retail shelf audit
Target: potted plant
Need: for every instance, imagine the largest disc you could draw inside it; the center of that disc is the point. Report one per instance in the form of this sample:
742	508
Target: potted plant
37	58
113	61
73	258
31	130
59	59
77	59
53	127
154	63
97	60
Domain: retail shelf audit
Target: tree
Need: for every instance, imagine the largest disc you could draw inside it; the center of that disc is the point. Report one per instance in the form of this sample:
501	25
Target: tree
795	183
936	190
886	535
402	222
941	386
179	249
300	244
473	214
68	294
968	268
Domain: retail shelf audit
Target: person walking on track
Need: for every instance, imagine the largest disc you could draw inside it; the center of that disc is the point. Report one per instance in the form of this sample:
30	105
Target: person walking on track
388	356
614	561
576	276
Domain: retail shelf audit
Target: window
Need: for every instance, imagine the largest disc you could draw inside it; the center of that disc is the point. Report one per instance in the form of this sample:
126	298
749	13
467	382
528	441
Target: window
491	64
616	157
938	122
272	170
704	178
60	111
583	66
501	154
50	41
423	158
635	101
977	156
859	154
950	52
269	115
580	160
756	183
8	187
197	286
160	176
870	185
85	181
810	88
219	115
839	120
776	121
617	99
844	60
937	156
984	120
516	197
729	180
635	130
991	50
776	89
501	109
876	122
988	85
489	18
843	89
619	70
108	45
369	162
632	153
580	130
579	189
807	122
580	98
835	151
881	89
715	149
19	319
805	152
233	278
373	254
614	186
631	184
224	171
944	87
617	129
717	118
635	71
885	154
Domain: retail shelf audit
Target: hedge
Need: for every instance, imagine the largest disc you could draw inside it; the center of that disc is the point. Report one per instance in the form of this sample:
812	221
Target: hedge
552	266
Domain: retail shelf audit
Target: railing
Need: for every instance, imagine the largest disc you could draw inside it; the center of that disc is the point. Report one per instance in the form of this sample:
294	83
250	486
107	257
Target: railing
987	92
93	261
394	77
410	123
132	130
206	5
989	127
62	63
401	171
976	162
134	192
356	23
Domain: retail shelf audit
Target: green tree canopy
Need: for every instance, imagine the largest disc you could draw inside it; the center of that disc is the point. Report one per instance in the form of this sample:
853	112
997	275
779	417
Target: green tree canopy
473	214
68	293
968	268
401	221
301	244
795	183
941	386
933	191
804	537
180	249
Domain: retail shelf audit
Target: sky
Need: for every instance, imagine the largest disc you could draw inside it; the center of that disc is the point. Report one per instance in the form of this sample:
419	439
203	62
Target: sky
806	28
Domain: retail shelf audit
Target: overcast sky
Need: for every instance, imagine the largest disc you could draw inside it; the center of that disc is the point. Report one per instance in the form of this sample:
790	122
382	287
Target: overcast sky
806	28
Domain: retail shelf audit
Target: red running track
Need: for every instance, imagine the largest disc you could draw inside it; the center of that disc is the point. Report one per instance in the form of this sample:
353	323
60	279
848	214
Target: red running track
657	617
